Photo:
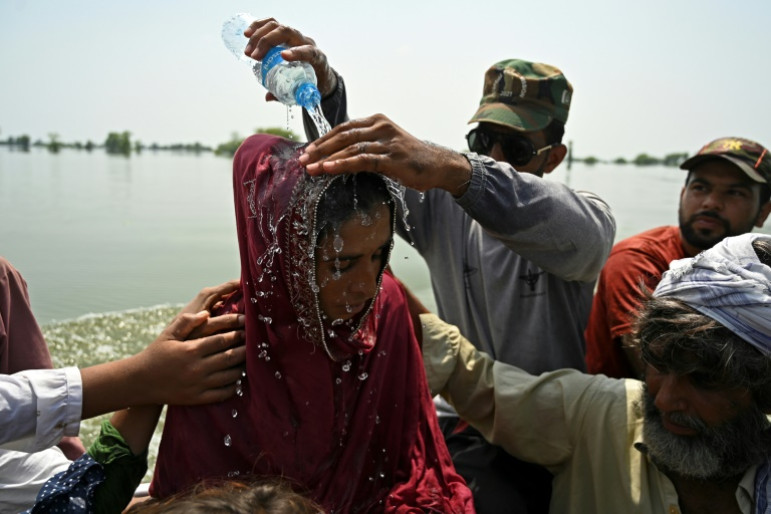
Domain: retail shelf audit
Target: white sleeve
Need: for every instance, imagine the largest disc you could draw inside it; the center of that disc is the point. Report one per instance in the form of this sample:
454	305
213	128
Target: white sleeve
39	407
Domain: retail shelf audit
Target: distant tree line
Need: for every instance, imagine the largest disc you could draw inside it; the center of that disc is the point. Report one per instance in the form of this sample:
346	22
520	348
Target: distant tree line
120	143
643	159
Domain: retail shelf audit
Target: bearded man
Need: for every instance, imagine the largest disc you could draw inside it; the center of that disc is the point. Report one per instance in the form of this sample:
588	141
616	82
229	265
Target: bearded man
693	437
726	193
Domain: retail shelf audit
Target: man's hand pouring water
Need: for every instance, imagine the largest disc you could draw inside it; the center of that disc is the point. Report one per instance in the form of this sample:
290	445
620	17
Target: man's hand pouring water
267	33
379	145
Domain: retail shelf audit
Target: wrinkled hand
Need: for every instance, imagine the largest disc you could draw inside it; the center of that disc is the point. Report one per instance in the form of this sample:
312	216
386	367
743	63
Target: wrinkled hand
203	370
267	33
379	145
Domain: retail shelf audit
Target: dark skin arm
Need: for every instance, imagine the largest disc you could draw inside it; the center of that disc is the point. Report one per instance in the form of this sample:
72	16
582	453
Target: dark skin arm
172	369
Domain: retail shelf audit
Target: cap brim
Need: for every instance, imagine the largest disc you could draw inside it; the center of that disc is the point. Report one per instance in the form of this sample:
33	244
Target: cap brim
688	164
518	117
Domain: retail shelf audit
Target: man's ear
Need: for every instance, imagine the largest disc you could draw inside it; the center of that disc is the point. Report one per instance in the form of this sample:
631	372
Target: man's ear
765	209
556	156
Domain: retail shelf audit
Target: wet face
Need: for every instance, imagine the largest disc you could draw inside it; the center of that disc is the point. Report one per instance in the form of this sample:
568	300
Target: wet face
718	201
349	262
697	429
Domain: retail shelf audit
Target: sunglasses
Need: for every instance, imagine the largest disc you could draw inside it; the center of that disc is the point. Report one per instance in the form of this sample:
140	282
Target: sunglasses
517	150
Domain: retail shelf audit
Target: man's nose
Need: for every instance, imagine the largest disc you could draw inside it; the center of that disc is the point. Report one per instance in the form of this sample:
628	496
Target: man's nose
365	282
670	396
713	201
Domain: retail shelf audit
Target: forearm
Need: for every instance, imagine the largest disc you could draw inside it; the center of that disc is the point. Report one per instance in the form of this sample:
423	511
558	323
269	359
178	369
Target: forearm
112	386
137	426
565	232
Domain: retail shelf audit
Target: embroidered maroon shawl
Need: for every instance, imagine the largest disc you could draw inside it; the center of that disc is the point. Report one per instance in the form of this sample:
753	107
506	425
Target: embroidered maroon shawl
342	411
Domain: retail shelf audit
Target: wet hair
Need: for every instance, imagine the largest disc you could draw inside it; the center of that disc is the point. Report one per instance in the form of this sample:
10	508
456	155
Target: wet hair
554	132
673	336
348	194
233	497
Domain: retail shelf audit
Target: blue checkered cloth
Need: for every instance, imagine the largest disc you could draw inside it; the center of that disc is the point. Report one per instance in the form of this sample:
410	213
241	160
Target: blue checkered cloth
729	284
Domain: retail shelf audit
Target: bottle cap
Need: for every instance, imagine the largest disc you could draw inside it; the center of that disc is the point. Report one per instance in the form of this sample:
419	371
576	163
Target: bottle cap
307	96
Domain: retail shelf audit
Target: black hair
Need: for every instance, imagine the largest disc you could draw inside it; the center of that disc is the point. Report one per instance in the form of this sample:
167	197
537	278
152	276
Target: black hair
269	496
361	192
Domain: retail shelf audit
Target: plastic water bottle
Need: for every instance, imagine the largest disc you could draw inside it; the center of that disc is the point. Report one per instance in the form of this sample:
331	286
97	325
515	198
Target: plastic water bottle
290	82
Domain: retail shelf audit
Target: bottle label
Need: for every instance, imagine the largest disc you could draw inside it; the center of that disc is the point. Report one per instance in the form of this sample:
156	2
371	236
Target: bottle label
271	59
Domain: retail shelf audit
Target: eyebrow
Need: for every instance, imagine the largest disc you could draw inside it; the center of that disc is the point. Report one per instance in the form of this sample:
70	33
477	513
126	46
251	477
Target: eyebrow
745	185
343	257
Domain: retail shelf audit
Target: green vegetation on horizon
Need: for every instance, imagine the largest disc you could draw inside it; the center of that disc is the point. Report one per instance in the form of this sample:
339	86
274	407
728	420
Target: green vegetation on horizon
119	143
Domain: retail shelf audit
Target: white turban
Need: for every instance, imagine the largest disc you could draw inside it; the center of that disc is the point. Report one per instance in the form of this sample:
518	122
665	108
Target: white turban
729	284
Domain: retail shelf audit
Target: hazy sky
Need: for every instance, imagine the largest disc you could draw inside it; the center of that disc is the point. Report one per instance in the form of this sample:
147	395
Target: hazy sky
655	76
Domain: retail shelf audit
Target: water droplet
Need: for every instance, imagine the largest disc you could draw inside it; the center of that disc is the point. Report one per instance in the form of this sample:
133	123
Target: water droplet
363	376
233	474
338	321
347	366
234	413
338	380
337	244
228	440
278	375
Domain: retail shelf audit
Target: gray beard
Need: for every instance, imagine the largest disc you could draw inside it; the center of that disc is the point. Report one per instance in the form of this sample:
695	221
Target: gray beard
716	453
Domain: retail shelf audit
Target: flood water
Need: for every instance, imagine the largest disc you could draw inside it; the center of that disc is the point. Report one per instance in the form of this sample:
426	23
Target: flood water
110	247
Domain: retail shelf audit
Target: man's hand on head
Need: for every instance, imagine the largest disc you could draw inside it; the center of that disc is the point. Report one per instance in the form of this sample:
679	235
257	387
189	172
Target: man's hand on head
377	144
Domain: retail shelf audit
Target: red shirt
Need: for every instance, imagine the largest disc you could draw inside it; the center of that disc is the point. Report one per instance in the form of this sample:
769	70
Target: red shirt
642	257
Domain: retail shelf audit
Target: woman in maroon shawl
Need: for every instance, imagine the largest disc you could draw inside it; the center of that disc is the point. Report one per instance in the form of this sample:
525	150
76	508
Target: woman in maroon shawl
334	396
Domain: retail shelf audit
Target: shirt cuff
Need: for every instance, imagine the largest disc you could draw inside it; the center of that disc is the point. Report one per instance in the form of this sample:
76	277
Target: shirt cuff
59	407
476	184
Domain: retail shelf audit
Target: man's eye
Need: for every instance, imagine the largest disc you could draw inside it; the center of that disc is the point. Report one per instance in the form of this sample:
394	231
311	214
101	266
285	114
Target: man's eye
703	380
738	193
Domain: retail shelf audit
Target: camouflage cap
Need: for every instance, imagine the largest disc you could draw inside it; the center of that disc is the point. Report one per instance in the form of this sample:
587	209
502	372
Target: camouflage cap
524	95
749	156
